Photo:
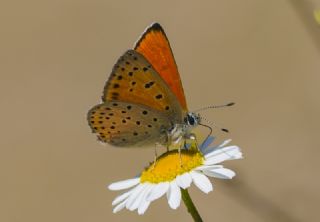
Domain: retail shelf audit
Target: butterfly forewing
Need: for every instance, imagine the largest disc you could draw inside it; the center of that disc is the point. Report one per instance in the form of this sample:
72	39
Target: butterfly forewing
134	80
155	47
124	124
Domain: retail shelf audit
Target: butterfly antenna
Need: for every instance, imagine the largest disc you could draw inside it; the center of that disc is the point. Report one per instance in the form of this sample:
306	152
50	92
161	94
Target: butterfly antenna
212	124
214	107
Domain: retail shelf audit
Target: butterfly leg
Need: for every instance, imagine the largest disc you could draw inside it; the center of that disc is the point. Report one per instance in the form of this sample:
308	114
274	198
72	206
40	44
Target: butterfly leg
180	158
196	142
185	144
155	156
168	140
192	137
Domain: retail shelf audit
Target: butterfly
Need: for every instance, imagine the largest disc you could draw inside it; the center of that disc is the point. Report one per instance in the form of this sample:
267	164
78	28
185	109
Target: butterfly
143	101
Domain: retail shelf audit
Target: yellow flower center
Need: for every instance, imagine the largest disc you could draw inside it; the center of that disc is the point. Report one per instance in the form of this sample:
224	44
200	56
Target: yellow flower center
171	164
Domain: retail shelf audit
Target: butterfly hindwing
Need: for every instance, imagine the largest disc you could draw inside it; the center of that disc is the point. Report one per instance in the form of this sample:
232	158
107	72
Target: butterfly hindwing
125	124
155	47
134	80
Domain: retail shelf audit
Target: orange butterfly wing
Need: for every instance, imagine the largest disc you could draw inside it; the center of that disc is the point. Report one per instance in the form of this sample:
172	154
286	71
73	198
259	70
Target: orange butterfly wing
155	47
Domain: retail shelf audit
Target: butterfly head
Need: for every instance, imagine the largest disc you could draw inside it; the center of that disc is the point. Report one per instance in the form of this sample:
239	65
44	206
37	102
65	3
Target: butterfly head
192	119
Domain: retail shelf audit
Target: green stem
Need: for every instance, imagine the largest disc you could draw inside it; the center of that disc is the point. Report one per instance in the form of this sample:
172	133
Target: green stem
190	206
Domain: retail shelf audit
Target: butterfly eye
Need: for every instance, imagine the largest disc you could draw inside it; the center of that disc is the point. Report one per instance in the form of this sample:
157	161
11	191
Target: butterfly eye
190	120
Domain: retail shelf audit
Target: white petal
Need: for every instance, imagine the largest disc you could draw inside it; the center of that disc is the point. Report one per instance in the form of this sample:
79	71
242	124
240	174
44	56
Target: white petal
121	185
222	150
208	167
122	197
224	143
144	203
119	207
184	180
222	173
227	153
157	191
143	207
211	149
201	181
137	191
136	203
206	143
174	195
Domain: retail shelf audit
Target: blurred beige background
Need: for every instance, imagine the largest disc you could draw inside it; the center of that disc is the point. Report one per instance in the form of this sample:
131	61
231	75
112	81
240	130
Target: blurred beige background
55	57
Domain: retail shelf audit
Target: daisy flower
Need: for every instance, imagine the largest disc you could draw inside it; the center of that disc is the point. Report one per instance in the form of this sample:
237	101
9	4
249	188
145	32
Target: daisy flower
173	173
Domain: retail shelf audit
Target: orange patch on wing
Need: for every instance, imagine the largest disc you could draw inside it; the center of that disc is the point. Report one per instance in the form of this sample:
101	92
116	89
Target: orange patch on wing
155	47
